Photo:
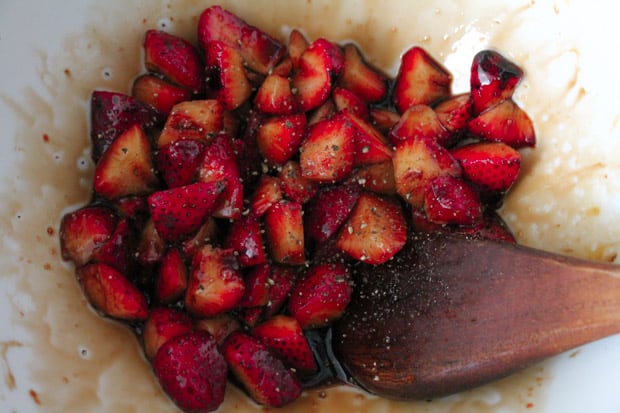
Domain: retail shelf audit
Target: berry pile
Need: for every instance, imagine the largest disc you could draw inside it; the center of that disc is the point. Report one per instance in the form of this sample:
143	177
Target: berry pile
240	182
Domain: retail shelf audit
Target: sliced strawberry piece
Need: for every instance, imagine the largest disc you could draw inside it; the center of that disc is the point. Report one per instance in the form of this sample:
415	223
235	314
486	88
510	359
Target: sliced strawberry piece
323	112
451	200
83	231
275	97
296	187
279	138
377	177
285	338
329	209
171	280
196	119
347	100
126	168
192	371
220	326
493	166
215	284
179	212
133	208
112	113
490	227
493	79
421	80
419	121
375	231
117	250
260	372
256	286
505	122
159	93
322	295
284	68
178	161
245	239
268	191
328	153
175	58
455	113
384	119
284	230
226	78
260	51
416	162
297	45
358	77
421	223
370	145
282	281
162	325
151	246
209	233
111	293
250	316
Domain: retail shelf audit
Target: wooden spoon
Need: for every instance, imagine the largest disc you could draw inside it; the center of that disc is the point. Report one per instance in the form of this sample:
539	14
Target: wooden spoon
451	313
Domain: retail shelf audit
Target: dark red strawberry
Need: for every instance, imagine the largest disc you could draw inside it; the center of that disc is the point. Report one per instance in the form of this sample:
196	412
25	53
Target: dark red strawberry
83	231
117	250
505	122
493	79
250	316
296	187
279	138
179	212
329	209
245	238
322	295
275	97
178	161
454	114
192	371
285	338
159	93
162	325
282	281
419	121
347	100
171	280
323	112
451	200
268	191
196	119
220	326
133	208
151	246
260	372
284	230
226	78
256	286
358	77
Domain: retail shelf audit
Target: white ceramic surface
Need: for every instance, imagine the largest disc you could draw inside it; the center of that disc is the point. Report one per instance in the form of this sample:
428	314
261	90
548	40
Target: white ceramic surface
57	356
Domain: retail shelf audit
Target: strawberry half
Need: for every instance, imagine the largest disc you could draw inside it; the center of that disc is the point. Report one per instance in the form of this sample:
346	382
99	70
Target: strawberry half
505	122
178	161
451	200
162	325
279	138
284	230
226	78
275	97
296	187
358	77
159	93
196	119
83	231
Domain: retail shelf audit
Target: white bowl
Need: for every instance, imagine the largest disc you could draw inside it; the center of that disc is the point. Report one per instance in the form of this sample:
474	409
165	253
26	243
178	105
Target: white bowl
58	356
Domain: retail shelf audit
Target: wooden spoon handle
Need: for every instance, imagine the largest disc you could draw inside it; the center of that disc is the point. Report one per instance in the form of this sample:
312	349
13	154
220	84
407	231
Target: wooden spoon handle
451	313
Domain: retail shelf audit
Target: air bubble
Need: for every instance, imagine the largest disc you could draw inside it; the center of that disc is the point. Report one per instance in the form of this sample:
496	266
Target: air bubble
165	23
82	163
84	353
107	73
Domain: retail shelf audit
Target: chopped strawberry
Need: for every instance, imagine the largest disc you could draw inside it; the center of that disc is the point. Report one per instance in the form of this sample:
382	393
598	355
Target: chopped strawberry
297	45
83	231
376	177
179	212
246	240
505	122
493	166
260	51
275	97
250	316
284	336
279	138
490	227
117	250
171	280
126	168
370	145
296	187
493	79
421	223
347	100
284	230
151	246
111	293
358	77
174	58
256	286
322	295
209	233
416	162
268	191
215	284
419	121
282	280
451	200
192	371
260	372
196	119
220	326
329	209
421	80
375	230
455	113
132	207
323	112
226	78
384	119
112	113
159	93
162	325
178	161
284	68
328	153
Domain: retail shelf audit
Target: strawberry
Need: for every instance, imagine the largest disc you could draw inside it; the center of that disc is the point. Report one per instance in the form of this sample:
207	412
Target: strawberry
162	325
192	371
505	122
174	58
284	230
347	100
151	246
111	293
419	121
323	112
421	80
490	227
250	316
126	168
268	191
279	138
451	200
421	223
132	207
493	166
178	162
416	162
245	239
281	283
328	153
208	233
226	78
220	326
493	79
260	372
171	280
296	187
83	231
112	113
454	113
284	68
297	45
179	212
361	79
329	209
260	51
215	284
370	145
257	286
197	119
384	119
375	230
376	177
159	93
321	296
284	336
275	97
116	250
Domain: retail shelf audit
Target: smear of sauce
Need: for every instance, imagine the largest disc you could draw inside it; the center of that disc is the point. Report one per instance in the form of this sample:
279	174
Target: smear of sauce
77	361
